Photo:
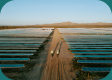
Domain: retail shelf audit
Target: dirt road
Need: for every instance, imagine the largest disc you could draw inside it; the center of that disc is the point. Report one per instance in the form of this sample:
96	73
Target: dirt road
58	67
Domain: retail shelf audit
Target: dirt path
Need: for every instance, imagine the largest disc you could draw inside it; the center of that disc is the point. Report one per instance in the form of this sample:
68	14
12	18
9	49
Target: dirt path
58	67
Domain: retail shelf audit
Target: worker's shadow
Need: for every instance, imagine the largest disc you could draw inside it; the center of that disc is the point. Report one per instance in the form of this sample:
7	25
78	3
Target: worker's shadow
59	49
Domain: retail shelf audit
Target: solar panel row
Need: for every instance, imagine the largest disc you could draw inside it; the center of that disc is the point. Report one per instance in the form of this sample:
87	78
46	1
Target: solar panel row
94	56
11	65
10	54
91	45
98	69
22	42
92	49
14	59
95	61
99	43
92	52
19	44
17	50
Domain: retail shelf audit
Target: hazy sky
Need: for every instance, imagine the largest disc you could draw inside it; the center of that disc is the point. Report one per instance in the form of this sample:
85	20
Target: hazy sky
31	12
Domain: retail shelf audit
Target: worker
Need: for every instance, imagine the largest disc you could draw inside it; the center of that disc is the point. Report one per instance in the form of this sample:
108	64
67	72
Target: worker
57	52
52	53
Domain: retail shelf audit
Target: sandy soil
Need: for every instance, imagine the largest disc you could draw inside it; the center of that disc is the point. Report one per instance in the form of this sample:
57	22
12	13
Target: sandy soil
58	67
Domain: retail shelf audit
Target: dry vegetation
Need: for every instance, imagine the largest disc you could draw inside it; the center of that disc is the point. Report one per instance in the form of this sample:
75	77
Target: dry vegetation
59	26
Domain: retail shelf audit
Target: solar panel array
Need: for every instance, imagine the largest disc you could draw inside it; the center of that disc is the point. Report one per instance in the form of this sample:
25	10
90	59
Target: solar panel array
11	65
94	56
92	53
95	61
99	69
90	43
20	44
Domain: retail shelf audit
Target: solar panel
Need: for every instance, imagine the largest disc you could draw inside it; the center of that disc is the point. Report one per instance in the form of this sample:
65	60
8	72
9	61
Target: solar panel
14	59
108	43
76	38
92	49
17	50
87	39
90	45
25	36
95	61
36	40
15	54
11	65
19	39
94	56
97	69
92	52
20	44
89	36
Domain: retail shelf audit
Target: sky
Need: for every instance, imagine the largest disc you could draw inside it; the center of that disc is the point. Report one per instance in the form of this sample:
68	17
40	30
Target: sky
32	12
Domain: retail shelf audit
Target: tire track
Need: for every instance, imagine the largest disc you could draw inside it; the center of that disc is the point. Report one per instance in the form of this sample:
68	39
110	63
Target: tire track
59	78
64	70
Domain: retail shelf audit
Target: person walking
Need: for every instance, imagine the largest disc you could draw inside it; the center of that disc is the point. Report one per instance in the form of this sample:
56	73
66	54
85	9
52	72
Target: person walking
52	53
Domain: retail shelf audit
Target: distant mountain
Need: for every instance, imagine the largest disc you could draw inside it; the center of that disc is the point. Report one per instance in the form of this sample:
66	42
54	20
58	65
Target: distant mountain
71	23
64	24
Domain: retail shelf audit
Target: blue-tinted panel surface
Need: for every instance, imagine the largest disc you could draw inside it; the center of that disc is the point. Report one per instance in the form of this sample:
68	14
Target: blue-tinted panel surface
17	50
92	52
101	43
15	54
11	65
19	44
94	61
91	49
14	59
96	69
18	47
94	56
90	45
